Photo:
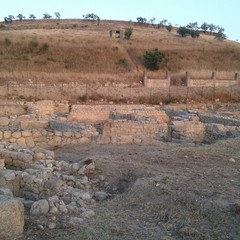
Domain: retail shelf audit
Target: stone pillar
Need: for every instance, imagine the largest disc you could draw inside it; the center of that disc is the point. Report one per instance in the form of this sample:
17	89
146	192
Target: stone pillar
236	76
187	79
213	75
168	75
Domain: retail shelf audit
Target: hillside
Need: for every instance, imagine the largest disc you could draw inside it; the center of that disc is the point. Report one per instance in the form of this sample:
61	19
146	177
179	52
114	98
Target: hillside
77	50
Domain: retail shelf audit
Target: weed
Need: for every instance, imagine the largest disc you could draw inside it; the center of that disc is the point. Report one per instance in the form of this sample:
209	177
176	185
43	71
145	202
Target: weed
51	59
44	48
32	46
7	41
83	98
123	62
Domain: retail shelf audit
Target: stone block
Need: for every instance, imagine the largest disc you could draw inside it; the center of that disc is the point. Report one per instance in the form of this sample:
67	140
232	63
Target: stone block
29	142
2	164
7	134
11	217
34	124
26	133
21	142
4	121
16	134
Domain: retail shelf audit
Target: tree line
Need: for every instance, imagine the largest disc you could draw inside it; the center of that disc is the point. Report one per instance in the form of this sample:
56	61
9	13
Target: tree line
192	29
90	16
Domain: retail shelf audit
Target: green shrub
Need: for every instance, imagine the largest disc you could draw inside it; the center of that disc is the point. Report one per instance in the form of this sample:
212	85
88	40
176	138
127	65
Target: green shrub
152	59
128	33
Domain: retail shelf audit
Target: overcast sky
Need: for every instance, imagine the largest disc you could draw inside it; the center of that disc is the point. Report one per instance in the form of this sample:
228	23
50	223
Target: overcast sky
225	13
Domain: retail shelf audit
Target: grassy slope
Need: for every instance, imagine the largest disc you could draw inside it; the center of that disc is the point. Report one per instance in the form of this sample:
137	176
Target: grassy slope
80	50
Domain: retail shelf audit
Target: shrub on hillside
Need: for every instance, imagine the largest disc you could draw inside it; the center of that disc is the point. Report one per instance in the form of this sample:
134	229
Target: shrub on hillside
128	33
152	59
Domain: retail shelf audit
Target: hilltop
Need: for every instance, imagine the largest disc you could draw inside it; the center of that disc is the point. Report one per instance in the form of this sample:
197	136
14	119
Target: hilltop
78	50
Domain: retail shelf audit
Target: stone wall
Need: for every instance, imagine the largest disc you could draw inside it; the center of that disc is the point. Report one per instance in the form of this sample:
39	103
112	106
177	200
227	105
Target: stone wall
186	128
43	137
124	131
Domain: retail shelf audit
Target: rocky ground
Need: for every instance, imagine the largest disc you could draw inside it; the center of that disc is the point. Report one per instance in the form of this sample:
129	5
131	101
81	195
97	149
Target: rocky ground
167	192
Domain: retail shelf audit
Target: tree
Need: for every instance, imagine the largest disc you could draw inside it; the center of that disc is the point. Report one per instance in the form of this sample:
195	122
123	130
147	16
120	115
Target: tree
11	17
20	17
152	21
183	31
220	35
46	16
32	16
193	26
152	59
128	33
205	27
141	20
169	27
212	28
92	17
58	15
7	20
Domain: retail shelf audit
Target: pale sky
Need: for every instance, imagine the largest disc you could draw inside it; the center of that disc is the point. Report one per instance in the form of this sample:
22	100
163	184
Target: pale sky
225	13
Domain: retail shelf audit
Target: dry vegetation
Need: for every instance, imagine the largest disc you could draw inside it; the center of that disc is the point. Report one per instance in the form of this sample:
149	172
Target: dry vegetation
75	50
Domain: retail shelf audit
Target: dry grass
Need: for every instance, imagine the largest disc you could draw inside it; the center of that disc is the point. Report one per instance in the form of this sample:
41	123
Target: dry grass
80	50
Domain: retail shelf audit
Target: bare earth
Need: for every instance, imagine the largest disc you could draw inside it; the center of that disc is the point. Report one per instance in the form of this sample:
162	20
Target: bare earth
167	192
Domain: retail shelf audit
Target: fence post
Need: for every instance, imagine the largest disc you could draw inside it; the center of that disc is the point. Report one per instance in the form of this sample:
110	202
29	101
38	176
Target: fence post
36	82
236	76
187	79
7	89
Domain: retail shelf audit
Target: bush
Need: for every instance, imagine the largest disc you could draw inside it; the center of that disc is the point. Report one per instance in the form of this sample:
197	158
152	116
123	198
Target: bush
7	41
152	59
128	33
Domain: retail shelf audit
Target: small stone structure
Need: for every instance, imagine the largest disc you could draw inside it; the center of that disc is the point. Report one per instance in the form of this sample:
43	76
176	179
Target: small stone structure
116	33
157	83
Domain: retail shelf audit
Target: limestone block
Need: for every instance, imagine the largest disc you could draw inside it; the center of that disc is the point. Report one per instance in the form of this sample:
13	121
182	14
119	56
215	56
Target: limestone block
29	142
39	156
34	124
6	192
7	134
40	207
2	164
21	142
67	134
16	134
55	141
84	140
4	121
26	133
36	134
11	217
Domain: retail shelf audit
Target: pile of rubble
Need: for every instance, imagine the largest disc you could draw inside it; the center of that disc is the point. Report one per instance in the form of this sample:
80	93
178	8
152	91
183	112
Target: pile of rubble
65	193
